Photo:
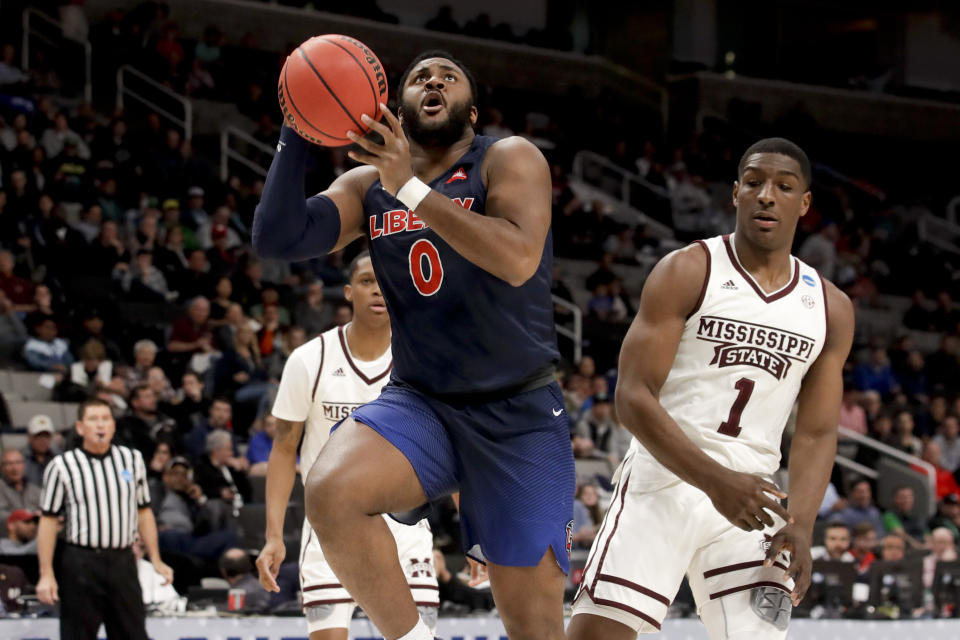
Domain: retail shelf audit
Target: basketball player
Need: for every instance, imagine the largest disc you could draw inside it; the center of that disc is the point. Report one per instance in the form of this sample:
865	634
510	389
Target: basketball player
458	226
323	381
730	333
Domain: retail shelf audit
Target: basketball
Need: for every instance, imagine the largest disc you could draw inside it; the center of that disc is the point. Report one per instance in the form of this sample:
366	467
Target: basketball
327	84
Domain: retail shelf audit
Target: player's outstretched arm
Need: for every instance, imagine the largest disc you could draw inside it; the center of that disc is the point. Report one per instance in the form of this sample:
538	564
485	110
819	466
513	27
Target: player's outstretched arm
288	227
508	241
814	445
281	474
671	293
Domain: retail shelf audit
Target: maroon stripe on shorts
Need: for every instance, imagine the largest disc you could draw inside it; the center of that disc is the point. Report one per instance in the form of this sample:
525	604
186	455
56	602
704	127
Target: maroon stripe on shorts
630	610
738	567
754	585
603	577
323	586
616	523
317	603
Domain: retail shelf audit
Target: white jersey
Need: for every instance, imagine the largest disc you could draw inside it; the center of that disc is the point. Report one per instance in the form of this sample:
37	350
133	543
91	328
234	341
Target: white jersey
739	365
322	384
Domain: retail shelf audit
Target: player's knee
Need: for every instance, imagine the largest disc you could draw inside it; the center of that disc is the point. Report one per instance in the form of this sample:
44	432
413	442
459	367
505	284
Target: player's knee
762	613
325	499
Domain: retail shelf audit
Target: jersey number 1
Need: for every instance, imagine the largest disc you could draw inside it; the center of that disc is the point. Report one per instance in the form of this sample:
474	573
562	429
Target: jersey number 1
731	426
426	278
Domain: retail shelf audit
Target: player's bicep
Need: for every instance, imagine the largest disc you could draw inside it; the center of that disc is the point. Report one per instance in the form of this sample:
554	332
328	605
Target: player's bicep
669	295
818	403
289	433
347	193
518	188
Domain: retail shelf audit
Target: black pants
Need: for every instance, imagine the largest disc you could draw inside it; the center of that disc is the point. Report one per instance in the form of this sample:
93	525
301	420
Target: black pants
100	585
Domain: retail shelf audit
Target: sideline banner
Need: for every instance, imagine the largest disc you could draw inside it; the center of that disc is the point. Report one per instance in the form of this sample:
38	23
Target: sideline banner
263	628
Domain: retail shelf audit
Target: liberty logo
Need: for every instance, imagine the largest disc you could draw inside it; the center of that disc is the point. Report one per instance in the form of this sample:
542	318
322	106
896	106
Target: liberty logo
459	174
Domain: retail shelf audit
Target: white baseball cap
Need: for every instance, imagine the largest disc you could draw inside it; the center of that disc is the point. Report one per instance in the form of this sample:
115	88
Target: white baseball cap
40	424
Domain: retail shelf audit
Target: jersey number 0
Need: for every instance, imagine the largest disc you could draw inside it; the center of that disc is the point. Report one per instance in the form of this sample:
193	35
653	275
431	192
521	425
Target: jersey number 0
426	270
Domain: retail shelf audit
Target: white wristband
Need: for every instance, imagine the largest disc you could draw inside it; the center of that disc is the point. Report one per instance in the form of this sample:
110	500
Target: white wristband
413	192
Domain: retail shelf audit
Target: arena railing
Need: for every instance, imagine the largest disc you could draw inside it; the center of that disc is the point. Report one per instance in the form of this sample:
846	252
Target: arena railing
939	232
651	203
31	28
576	333
929	471
126	73
227	152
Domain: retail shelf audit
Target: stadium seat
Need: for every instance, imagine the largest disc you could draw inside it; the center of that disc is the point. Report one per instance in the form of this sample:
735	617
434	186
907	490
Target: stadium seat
21	411
26	384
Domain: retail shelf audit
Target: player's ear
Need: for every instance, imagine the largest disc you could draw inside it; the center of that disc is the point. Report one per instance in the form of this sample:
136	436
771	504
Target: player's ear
348	292
473	114
736	191
805	203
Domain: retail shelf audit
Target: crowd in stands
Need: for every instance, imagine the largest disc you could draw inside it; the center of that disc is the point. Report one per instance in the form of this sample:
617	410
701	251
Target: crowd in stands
126	273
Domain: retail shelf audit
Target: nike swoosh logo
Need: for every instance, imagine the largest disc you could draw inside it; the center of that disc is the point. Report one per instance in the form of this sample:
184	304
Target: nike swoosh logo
557	412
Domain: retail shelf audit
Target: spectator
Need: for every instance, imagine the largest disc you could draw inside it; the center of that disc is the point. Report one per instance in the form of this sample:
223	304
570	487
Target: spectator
948	516
248	284
343	315
943	367
162	454
258	451
187	522
21	533
311	313
157	593
443	21
219	416
92	372
913	378
143	423
15	491
918	316
39	451
91	328
238	373
144	355
19	291
221	257
852	415
945	317
219	220
864	542
236	568
860	509
904	438
831	503
13	335
598	426
456	591
900	520
170	257
191	333
893	548
56	137
268	337
872	405
877	374
221	474
162	389
222	302
836	544
946	483
188	405
943	548
108	252
143	281
820	250
949	441
586	516
10	73
45	351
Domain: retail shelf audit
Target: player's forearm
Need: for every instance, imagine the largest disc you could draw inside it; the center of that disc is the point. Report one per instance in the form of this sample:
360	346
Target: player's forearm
281	474
46	543
285	225
496	245
811	461
147	526
646	419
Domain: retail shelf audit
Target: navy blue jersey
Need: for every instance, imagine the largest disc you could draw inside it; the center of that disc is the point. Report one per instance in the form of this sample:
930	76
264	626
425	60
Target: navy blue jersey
457	329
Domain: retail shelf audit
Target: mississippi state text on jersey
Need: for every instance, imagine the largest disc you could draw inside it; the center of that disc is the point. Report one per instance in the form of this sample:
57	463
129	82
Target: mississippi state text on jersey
740	364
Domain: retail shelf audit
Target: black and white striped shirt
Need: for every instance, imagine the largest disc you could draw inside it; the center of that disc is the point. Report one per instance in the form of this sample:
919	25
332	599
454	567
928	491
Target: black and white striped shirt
99	493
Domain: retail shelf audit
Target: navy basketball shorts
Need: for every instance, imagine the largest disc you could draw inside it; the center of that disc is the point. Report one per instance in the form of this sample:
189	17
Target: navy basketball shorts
511	461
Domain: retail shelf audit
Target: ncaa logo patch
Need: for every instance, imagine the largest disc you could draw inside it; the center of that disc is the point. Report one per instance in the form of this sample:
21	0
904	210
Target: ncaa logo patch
126	475
569	539
810	281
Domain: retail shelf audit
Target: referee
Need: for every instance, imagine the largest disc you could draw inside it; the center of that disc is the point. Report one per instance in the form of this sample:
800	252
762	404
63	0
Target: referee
103	490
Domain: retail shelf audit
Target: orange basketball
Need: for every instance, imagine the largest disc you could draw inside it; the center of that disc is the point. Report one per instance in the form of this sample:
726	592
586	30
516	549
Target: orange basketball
326	84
